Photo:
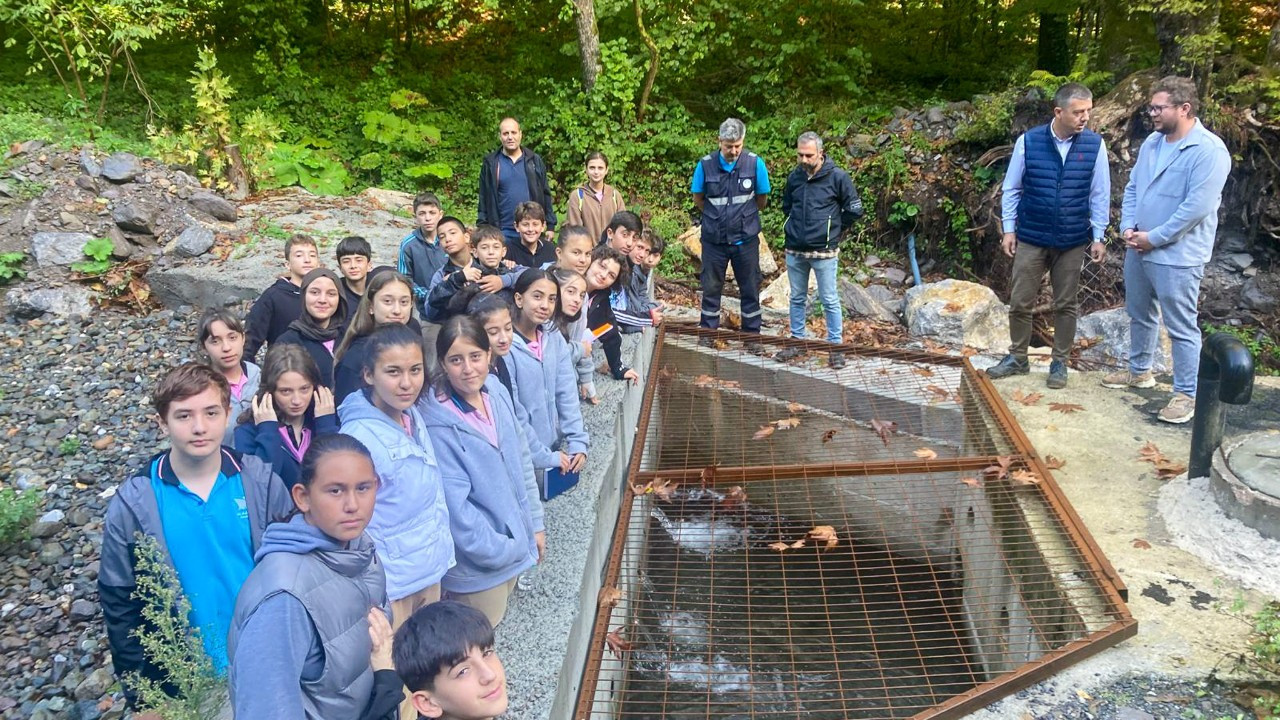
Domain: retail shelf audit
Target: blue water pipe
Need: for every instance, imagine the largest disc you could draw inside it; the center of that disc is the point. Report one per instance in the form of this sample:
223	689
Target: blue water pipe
911	253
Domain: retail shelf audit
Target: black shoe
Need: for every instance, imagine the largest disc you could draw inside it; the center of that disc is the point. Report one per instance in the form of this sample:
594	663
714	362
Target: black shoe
1057	375
837	360
1008	367
788	354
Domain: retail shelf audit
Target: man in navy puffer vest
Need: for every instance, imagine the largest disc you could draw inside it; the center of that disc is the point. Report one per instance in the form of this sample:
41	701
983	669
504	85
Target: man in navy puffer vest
1057	197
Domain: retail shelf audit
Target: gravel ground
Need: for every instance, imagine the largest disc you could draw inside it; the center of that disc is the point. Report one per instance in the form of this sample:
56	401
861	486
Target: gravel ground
1142	697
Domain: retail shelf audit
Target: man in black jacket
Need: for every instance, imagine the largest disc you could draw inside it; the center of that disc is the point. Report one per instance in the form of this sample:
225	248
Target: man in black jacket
820	203
509	176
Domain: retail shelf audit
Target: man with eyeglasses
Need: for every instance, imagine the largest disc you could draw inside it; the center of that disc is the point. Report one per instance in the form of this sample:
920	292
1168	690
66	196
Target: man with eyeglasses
1057	199
1168	221
820	203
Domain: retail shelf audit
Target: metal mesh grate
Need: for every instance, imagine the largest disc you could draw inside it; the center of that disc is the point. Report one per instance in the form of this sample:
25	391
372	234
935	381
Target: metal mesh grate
878	541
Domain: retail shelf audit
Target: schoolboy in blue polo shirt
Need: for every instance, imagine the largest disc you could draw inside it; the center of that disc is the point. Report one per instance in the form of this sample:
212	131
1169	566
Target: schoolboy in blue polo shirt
205	505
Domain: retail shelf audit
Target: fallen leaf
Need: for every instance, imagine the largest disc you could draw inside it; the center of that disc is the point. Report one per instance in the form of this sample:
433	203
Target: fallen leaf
967	351
720	344
1150	453
779	546
942	393
787	423
660	488
824	534
704	381
1024	477
735	497
667	372
103	442
952	307
827	436
925	453
617	643
797	544
795	408
922	371
1000	469
609	596
1027	399
1065	408
1083	695
764	432
883	428
14	431
1054	463
1141	544
972	482
1167	469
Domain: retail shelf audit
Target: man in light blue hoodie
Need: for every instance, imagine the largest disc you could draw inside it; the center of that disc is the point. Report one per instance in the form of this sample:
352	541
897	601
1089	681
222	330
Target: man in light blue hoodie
1169	220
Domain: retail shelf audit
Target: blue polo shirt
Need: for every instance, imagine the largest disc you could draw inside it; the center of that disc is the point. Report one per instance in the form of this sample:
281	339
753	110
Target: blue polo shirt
210	546
513	189
762	175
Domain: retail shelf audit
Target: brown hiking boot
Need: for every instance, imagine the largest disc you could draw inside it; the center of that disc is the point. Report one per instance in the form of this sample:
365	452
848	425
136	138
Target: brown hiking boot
1125	379
1181	408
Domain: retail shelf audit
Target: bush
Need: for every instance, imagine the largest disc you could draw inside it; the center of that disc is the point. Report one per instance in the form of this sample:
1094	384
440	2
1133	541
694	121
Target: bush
17	512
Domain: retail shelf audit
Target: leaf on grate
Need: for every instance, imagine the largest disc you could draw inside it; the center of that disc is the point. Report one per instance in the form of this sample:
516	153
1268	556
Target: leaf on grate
1168	469
720	344
1027	399
925	453
1141	544
660	488
764	432
1000	469
972	482
708	381
1024	477
609	596
940	392
667	372
704	381
824	534
787	423
1054	463
922	371
795	408
779	547
797	544
735	497
829	435
617	643
883	428
1065	408
967	351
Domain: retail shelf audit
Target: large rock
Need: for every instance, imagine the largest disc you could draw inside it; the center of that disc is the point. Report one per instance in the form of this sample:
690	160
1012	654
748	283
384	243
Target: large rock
389	200
777	294
860	302
1261	293
214	206
203	286
957	312
121	168
134	216
692	240
59	248
96	685
88	163
67	300
1105	335
193	242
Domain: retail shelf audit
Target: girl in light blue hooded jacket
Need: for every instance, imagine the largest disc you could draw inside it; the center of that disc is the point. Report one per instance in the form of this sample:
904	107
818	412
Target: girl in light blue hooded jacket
542	370
494	511
410	524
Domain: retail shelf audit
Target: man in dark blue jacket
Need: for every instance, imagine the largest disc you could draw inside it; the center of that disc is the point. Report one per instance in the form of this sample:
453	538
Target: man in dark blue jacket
1057	196
820	203
510	175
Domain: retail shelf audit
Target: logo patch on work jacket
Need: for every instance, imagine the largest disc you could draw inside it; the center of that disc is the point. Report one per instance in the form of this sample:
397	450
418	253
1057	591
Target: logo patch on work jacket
746	184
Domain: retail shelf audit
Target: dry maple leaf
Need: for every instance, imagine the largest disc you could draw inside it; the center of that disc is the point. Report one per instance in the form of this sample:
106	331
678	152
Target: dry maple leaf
735	497
925	453
972	482
1141	544
1054	463
942	393
1027	399
1065	408
764	432
617	643
922	371
1000	469
787	423
1024	477
795	408
824	534
883	428
660	488
797	544
1167	469
609	596
829	435
1150	453
779	547
704	381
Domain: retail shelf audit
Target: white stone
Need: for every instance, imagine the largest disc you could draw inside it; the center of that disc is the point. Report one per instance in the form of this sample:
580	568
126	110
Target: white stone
1106	333
59	248
67	300
956	312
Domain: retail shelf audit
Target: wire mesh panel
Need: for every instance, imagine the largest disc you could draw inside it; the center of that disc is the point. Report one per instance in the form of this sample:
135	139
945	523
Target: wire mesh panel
875	541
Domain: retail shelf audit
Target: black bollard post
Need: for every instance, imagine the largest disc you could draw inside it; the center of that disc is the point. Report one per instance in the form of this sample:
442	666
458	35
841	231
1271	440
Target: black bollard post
1226	376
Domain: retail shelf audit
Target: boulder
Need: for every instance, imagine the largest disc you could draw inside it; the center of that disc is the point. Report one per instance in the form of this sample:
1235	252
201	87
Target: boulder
121	248
777	295
134	216
1261	293
88	163
893	275
214	206
96	685
1106	334
692	241
121	168
935	116
63	301
59	248
957	312
389	200
1236	260
859	301
193	242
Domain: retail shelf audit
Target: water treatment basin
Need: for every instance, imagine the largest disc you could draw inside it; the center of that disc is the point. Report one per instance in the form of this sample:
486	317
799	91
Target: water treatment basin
1245	478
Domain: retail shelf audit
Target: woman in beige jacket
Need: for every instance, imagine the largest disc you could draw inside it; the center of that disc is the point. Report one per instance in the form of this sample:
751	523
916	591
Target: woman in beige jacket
594	202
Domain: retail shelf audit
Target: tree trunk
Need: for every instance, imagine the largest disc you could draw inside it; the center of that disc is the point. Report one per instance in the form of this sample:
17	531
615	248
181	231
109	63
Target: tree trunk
588	42
1273	47
653	62
1186	46
1053	46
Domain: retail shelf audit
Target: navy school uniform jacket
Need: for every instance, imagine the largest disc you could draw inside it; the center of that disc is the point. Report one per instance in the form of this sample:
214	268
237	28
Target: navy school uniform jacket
270	315
317	351
419	260
449	279
348	372
263	441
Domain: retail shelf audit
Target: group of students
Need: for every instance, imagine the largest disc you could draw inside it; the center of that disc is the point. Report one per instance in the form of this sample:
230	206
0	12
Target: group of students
376	464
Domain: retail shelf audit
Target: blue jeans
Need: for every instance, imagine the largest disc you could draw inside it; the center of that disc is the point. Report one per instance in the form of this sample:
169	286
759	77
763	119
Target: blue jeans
828	293
1176	291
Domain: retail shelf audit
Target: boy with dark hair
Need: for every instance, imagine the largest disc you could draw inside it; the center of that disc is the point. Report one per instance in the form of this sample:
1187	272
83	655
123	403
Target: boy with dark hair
632	302
281	303
531	249
621	232
354	259
205	505
444	654
465	266
420	252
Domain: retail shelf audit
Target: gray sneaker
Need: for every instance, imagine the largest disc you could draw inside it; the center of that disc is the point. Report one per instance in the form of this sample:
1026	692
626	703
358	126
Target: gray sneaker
1011	365
1124	379
1181	408
1057	375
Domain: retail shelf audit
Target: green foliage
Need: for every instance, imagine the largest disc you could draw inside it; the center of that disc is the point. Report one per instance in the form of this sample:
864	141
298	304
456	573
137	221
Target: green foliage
1262	88
98	251
17	512
956	246
1098	81
11	266
1265	648
992	117
70	445
904	214
984	175
1264	348
314	169
402	145
171	644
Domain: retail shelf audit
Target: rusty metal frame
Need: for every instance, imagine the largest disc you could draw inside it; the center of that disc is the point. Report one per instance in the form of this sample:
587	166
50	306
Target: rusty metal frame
1102	573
